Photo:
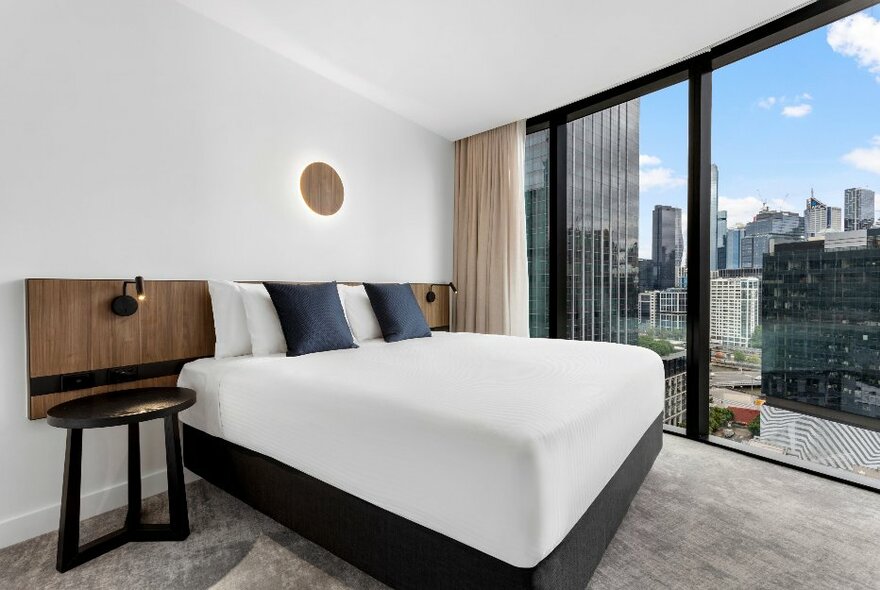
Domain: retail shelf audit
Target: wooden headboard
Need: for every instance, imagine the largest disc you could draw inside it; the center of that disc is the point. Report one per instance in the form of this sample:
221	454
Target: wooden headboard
78	347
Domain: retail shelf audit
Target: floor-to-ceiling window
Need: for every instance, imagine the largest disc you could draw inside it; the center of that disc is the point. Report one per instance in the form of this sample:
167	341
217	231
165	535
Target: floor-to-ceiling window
625	210
537	231
795	292
779	355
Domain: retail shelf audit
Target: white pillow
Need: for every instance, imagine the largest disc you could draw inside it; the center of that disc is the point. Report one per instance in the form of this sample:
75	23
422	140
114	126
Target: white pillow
231	334
340	289
262	320
359	313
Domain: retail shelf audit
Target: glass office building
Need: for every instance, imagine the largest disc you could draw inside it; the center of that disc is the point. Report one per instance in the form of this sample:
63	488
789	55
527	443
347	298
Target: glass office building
667	248
537	152
820	310
603	225
733	247
766	230
858	208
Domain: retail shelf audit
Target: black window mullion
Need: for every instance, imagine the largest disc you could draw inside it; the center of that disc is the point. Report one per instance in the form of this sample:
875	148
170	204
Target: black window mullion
556	201
698	224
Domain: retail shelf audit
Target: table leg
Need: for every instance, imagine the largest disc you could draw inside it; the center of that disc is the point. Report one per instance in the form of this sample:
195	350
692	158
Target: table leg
177	509
133	517
68	527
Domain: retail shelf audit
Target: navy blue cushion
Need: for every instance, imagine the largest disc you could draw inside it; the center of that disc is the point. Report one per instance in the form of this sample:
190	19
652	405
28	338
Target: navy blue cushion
311	317
398	312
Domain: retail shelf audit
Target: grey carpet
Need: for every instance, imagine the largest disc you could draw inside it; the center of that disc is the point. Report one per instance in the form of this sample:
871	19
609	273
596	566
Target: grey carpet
705	518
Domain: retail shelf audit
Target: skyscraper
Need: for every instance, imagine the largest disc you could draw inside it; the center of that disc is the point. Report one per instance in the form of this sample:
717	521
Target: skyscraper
835	219
858	208
735	310
667	245
647	279
767	229
820	218
721	233
603	225
733	247
713	219
821	339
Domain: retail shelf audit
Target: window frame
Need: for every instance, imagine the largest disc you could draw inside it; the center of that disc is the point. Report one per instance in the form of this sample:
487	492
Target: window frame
697	70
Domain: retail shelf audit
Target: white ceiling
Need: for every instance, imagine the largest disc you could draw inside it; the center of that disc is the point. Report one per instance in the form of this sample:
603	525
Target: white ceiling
459	67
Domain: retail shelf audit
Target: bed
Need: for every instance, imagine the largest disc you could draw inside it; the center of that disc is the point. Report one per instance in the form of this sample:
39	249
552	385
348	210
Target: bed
457	461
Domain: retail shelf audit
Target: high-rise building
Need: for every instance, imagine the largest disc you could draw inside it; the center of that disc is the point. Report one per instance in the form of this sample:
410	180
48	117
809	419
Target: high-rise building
667	245
835	219
733	246
858	208
735	305
665	310
603	225
821	337
820	218
721	233
713	216
765	231
647	280
537	153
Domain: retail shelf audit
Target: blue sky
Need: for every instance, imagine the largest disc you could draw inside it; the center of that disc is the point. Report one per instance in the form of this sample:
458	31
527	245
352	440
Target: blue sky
802	115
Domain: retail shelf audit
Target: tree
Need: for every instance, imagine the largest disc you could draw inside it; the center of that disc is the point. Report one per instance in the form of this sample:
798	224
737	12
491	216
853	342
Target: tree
755	425
661	347
719	417
739	356
757	338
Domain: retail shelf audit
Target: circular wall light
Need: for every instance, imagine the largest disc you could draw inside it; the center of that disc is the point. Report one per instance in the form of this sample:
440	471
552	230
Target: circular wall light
321	188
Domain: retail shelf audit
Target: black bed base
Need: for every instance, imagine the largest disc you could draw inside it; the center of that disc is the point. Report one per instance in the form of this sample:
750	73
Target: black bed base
399	552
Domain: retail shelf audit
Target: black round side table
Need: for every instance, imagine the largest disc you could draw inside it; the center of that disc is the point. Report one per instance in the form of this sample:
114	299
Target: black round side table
130	407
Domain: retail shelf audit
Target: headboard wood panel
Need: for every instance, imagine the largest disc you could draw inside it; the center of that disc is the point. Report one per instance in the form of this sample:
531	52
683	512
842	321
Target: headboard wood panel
71	330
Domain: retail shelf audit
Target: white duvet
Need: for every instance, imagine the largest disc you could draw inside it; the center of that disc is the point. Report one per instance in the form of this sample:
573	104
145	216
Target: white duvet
501	443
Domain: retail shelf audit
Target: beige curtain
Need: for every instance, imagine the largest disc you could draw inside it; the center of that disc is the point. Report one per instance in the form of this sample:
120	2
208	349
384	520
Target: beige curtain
489	243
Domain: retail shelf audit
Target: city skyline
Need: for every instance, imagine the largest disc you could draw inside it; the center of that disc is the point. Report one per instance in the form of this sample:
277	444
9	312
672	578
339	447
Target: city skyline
766	129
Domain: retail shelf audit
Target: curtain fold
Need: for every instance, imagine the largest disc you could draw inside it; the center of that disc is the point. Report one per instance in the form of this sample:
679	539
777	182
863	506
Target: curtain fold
490	267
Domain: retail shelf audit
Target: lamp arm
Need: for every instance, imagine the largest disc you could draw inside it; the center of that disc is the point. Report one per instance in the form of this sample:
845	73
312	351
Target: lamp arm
430	296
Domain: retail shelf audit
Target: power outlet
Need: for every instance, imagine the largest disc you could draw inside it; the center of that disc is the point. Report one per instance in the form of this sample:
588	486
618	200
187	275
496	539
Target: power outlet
75	381
122	374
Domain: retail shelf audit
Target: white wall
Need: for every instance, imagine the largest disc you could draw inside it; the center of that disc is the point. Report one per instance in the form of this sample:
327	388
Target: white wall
137	137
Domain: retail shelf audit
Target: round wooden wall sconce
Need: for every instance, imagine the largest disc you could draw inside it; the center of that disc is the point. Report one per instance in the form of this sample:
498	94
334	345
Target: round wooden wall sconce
321	188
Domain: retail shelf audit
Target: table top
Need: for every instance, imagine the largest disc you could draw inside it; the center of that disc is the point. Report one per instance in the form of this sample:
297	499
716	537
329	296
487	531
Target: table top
121	407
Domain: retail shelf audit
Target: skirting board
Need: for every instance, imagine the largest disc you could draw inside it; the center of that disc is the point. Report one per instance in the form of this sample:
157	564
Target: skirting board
45	520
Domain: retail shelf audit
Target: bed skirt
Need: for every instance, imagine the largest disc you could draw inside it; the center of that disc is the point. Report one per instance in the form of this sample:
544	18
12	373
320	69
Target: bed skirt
399	552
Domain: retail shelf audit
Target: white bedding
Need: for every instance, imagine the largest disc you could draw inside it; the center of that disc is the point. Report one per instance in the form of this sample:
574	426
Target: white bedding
501	443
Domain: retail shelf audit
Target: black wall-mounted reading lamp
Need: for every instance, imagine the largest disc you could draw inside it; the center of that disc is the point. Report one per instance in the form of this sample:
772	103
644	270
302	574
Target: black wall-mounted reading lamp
125	304
430	296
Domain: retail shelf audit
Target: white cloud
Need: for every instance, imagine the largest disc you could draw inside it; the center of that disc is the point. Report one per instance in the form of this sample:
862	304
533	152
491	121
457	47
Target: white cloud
659	178
797	110
858	36
646	160
865	158
767	103
744	209
791	107
654	176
